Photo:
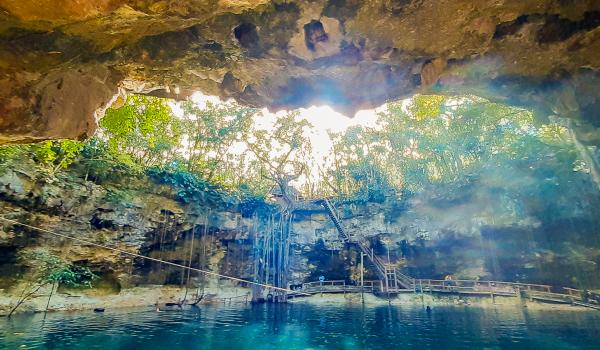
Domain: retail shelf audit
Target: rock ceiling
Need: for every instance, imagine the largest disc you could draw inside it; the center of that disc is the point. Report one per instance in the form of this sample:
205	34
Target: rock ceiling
63	61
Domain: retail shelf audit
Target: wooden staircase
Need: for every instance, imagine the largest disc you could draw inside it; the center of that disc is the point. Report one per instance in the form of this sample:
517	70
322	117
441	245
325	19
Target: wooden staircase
392	279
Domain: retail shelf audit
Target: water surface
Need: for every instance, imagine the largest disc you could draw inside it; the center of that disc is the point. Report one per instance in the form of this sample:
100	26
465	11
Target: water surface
306	326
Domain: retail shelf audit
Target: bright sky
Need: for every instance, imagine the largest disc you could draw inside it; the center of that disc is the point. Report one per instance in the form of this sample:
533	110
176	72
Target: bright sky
323	118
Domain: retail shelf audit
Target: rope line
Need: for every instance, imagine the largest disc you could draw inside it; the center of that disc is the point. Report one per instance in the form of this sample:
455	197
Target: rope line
146	257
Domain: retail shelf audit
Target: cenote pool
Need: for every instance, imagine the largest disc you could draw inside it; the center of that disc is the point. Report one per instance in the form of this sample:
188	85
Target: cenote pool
306	326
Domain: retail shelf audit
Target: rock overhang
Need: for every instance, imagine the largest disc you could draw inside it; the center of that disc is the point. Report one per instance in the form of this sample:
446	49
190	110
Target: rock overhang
61	64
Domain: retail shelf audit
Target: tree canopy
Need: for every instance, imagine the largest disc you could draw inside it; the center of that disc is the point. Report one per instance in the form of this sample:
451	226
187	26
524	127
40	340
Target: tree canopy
435	140
418	143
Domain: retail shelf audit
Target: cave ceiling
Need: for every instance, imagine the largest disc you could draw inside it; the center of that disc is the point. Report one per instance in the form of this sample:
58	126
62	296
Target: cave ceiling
63	61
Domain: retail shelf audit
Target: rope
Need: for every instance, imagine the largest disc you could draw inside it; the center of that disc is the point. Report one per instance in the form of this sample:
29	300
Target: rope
143	257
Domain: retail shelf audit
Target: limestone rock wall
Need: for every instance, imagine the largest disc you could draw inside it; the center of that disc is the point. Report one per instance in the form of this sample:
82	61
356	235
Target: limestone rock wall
477	233
140	217
62	62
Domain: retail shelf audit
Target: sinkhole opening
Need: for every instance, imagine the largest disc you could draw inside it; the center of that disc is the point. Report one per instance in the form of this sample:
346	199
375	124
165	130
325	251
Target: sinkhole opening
246	35
440	187
314	33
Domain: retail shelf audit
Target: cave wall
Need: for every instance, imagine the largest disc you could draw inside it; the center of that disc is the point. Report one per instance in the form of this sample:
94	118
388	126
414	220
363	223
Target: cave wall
489	229
486	229
138	216
62	62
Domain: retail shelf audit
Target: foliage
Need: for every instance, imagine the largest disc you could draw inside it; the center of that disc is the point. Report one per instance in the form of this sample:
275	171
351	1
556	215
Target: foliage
438	141
47	268
101	163
282	152
50	155
189	187
198	149
218	152
210	133
357	172
121	197
145	129
56	154
10	152
427	106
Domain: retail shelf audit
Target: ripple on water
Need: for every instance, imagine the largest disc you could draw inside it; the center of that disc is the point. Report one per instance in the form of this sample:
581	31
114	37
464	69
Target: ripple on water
303	326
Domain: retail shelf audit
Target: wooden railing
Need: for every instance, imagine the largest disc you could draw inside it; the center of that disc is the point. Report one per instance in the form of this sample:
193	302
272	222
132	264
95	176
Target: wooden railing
432	285
320	284
380	266
573	292
240	299
493	288
582	295
394	281
499	287
336	286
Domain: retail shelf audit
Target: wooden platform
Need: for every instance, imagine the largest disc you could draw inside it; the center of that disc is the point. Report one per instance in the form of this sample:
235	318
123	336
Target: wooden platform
393	282
536	292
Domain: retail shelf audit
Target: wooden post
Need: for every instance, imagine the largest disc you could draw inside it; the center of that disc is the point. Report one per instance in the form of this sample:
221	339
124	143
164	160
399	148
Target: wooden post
362	282
415	288
491	292
49	297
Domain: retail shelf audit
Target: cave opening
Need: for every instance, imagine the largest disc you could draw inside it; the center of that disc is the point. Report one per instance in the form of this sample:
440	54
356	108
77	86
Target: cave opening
429	164
314	33
450	191
246	34
332	154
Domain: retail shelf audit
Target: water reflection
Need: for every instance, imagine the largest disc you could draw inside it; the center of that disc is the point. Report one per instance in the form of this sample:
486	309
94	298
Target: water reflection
303	326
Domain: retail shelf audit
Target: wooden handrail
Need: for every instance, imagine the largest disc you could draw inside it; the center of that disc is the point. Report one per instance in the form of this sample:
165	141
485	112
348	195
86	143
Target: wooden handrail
573	291
386	270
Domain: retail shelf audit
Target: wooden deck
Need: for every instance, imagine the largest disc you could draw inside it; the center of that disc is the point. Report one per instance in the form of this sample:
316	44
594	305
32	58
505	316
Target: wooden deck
334	287
393	282
538	292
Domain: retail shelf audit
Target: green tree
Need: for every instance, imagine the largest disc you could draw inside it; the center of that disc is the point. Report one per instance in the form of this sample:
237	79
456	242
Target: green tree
434	141
282	152
101	163
56	154
210	134
145	129
45	269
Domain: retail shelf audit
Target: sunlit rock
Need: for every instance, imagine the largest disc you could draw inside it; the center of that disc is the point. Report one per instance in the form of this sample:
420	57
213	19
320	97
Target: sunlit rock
348	54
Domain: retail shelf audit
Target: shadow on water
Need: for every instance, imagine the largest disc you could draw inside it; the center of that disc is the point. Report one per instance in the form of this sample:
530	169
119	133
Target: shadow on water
303	326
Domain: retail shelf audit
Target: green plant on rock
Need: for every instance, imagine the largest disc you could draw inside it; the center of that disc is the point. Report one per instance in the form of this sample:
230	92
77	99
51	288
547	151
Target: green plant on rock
45	269
189	187
56	154
103	238
103	164
10	154
118	197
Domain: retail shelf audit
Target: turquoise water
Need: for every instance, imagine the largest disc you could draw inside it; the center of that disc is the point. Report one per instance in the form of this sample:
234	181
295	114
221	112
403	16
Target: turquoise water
304	326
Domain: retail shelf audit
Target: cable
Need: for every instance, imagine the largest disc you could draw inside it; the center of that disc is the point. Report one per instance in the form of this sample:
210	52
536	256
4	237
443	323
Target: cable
147	257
